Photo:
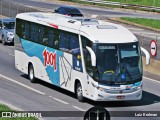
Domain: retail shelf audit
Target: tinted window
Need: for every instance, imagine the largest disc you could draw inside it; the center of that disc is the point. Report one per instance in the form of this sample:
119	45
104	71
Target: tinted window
27	31
48	36
9	25
34	33
61	11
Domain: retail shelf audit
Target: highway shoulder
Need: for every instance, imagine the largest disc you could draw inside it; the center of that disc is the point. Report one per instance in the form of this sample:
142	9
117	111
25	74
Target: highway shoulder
151	75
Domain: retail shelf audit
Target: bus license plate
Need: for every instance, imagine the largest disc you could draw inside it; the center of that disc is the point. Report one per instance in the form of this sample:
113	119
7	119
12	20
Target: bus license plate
121	97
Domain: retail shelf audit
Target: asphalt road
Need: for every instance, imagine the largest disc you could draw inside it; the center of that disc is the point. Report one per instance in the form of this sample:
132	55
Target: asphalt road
17	90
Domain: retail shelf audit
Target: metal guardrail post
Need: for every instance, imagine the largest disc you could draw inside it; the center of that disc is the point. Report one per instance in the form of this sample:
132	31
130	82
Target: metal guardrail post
17	8
1	6
9	9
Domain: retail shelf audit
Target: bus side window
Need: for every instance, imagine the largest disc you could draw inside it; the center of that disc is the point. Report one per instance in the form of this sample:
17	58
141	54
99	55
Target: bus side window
41	34
74	45
26	31
51	38
56	39
19	28
45	37
33	32
64	42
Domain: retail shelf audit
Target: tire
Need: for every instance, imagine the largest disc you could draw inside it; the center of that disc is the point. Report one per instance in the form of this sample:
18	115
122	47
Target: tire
3	41
79	92
31	75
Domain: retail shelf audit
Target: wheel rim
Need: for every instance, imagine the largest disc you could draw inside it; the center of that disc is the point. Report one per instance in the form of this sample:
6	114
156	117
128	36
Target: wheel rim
79	91
31	73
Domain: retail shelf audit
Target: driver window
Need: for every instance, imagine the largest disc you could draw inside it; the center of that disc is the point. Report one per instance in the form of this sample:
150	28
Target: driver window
87	56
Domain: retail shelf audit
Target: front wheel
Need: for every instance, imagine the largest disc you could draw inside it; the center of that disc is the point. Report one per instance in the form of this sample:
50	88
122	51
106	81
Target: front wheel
31	74
79	92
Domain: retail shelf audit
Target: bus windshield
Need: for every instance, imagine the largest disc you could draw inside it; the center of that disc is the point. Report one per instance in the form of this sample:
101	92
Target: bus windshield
118	63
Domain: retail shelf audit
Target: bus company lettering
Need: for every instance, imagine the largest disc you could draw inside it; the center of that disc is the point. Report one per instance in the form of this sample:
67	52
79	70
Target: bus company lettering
49	59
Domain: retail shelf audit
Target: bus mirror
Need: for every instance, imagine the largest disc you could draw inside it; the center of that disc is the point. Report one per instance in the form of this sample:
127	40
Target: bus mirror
147	55
93	56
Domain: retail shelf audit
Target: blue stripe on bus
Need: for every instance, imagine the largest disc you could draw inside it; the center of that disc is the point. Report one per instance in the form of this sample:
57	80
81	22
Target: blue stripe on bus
33	49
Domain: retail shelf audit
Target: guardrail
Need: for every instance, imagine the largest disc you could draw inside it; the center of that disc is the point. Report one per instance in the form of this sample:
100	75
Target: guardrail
122	5
12	9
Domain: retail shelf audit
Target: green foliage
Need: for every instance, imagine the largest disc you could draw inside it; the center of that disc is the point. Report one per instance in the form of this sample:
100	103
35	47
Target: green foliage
143	21
140	2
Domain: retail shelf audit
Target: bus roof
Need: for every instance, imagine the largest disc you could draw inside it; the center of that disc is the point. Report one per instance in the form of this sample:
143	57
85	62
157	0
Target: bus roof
96	30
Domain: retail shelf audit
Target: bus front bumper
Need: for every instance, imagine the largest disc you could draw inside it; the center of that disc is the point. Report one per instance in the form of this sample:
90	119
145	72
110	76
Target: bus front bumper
103	96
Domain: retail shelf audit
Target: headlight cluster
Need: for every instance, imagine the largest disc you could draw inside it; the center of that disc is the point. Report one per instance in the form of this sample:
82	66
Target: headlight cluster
99	88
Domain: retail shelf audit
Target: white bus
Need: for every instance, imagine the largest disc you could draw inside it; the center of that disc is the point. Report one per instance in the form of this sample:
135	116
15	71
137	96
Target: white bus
92	58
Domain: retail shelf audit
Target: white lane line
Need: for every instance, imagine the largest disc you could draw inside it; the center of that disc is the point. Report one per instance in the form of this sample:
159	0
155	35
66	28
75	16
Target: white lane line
151	79
21	84
78	108
11	55
59	100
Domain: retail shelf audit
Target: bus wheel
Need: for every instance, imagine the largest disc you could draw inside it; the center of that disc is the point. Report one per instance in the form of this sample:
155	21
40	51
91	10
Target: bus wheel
31	74
79	92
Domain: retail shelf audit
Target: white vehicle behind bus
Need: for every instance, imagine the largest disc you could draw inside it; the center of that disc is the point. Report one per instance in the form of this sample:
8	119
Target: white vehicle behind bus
98	60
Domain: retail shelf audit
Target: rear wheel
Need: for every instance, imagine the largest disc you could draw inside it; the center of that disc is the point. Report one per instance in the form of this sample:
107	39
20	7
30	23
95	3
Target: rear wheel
79	92
31	74
3	40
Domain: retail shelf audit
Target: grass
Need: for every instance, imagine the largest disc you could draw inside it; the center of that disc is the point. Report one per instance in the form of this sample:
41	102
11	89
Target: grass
155	3
4	108
139	2
143	21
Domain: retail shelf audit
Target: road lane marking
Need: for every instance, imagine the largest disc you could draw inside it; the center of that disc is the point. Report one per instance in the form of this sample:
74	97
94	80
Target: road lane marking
78	108
11	55
151	79
59	100
21	84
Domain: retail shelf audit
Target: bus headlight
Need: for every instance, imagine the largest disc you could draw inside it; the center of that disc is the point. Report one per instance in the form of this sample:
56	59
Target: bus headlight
139	87
99	88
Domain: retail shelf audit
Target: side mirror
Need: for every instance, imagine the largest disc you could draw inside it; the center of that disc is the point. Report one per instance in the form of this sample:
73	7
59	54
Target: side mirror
147	55
55	11
93	56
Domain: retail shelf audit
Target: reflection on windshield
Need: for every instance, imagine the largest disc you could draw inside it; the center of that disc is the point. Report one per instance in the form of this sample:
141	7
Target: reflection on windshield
118	63
9	25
